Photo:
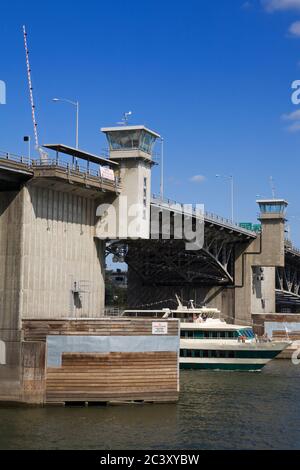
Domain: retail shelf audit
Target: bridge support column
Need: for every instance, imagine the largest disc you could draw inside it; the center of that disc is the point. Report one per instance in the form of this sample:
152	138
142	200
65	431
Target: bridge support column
51	266
255	267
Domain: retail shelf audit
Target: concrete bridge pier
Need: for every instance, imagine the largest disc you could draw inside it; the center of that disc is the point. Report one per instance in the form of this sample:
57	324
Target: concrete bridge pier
51	264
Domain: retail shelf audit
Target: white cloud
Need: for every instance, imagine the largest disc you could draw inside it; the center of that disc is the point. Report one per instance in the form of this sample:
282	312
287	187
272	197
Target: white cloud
197	179
280	5
294	116
294	119
294	29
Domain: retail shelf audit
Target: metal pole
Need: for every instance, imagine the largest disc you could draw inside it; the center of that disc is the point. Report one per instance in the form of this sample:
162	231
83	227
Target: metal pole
29	151
162	170
232	199
77	123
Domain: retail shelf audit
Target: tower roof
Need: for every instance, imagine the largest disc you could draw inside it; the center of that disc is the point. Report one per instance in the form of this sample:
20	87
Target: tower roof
129	128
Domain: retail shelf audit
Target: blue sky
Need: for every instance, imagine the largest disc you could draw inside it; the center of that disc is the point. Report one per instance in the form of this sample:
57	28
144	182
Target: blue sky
212	76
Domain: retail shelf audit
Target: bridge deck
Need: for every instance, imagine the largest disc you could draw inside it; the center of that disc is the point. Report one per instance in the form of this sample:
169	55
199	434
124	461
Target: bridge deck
209	217
57	173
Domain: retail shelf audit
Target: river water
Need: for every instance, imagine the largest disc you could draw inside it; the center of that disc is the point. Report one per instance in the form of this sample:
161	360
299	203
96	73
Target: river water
217	410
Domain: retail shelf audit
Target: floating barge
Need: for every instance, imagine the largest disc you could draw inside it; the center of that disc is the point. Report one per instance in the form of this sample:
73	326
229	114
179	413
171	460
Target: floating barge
95	362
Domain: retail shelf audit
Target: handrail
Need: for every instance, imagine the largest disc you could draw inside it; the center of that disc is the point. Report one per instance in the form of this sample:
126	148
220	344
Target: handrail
15	158
57	163
209	216
290	247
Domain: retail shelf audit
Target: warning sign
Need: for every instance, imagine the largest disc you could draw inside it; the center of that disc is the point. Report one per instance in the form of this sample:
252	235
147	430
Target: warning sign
159	328
107	174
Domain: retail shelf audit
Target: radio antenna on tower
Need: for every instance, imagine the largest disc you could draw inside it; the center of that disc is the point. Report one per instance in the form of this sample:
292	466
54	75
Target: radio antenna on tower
272	186
43	154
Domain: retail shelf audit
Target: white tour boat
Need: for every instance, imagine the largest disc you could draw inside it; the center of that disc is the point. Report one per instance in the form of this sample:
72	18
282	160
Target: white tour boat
207	342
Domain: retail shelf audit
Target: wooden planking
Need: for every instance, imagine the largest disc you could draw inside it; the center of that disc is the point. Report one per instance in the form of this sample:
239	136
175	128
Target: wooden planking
284	336
33	372
149	376
259	320
109	377
38	330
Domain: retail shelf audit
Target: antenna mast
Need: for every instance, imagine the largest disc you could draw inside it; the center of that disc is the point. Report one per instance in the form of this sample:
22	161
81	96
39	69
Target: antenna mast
31	91
272	186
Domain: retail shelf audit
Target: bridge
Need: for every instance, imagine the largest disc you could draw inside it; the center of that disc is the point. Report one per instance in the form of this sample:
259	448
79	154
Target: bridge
166	262
62	213
54	241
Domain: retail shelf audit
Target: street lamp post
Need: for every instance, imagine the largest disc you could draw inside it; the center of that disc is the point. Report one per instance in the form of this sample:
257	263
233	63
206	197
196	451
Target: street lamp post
231	179
76	104
28	140
162	170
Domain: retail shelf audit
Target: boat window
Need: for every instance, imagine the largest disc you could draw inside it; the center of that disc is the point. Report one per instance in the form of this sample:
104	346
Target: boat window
190	334
197	353
198	335
231	354
248	333
205	353
222	354
222	334
206	334
215	334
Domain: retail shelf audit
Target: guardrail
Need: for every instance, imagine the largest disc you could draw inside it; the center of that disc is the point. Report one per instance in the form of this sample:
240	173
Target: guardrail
15	158
47	162
290	247
208	216
59	163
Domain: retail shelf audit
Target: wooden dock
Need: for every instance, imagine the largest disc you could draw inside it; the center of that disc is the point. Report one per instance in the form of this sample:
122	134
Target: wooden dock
105	361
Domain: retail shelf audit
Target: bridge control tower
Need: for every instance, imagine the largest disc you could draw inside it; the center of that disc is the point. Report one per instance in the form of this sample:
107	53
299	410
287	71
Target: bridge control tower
273	218
129	215
255	268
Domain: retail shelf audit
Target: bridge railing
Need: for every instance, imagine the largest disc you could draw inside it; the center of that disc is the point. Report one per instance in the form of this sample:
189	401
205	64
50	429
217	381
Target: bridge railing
14	158
208	216
290	247
74	169
58	163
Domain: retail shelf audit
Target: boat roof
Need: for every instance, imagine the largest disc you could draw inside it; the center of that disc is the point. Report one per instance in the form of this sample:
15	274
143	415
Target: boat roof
217	325
209	324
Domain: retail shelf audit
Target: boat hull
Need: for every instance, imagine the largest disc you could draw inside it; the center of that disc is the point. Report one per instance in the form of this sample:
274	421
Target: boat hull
249	367
238	357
